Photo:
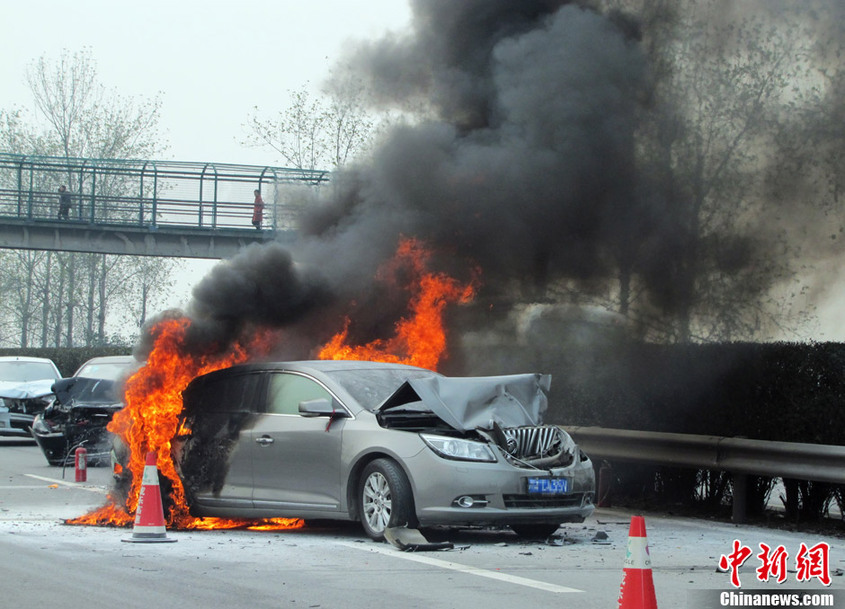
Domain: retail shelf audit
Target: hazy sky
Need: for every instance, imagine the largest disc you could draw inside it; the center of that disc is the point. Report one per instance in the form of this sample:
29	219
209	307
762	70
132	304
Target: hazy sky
212	61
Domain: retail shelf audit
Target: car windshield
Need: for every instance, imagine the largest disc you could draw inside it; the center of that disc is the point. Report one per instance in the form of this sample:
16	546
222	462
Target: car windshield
23	372
111	371
372	387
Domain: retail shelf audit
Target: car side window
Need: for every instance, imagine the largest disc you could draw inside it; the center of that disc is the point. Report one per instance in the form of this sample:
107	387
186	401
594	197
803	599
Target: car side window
227	394
286	391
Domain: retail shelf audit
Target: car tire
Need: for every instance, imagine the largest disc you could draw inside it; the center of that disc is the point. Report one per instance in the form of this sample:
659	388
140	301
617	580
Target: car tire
534	531
385	498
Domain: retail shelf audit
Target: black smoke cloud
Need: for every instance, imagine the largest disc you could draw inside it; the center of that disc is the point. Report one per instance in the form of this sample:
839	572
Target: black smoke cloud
526	171
528	167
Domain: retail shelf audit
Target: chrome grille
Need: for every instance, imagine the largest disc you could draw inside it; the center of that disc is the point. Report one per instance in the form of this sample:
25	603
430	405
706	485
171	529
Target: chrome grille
533	442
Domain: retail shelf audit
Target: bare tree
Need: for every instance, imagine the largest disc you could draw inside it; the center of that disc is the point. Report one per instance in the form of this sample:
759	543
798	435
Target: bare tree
317	133
145	282
77	117
728	82
85	119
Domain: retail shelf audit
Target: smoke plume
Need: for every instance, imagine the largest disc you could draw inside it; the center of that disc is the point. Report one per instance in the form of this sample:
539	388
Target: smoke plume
525	169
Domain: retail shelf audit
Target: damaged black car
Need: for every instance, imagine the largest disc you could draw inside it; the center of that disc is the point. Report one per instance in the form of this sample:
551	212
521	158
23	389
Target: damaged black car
84	405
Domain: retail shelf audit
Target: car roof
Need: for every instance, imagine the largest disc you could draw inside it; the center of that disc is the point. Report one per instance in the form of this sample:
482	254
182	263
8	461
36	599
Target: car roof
25	358
327	365
128	360
316	368
108	359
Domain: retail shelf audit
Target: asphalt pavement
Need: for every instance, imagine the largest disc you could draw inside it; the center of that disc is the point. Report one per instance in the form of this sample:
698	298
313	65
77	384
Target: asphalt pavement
51	564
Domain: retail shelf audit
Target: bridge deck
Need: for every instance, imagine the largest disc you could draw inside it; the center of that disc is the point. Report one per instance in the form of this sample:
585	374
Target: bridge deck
137	207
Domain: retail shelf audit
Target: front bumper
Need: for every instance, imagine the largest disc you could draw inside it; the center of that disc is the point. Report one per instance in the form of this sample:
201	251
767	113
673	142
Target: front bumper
58	447
15	424
499	492
54	446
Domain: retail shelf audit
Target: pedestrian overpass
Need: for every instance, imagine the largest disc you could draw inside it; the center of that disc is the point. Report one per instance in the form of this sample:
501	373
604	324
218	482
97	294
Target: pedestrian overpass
147	208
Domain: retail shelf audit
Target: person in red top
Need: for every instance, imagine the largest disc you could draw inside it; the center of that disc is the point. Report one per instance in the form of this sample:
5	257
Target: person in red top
257	210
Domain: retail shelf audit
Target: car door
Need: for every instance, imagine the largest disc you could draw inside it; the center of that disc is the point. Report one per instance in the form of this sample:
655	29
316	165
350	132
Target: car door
216	464
296	459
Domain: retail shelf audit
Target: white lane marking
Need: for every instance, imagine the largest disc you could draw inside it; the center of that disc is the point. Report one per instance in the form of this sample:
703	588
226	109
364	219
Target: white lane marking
22	487
453	566
94	489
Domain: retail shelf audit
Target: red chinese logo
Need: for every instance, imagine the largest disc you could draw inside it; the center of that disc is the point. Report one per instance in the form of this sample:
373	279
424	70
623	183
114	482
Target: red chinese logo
810	563
772	564
814	562
734	560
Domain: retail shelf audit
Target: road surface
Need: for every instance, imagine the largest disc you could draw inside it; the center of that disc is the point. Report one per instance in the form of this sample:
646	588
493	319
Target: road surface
47	563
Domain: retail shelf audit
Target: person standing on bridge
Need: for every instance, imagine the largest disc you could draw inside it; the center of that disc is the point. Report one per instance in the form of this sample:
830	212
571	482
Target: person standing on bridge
64	202
257	210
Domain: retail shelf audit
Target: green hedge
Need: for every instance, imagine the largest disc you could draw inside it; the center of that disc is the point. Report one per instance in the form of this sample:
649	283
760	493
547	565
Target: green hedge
791	392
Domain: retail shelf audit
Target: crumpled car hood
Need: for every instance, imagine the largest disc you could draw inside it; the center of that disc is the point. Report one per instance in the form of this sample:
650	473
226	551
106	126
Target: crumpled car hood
81	391
468	403
26	391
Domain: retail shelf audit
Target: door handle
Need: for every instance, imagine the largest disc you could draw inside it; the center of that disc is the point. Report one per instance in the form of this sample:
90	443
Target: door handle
264	440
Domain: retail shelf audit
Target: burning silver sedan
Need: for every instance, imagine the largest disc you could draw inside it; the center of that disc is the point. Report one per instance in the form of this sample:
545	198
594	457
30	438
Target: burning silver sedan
384	444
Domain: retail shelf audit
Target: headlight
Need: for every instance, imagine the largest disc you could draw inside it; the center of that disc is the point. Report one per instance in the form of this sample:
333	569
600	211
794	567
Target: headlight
459	450
39	426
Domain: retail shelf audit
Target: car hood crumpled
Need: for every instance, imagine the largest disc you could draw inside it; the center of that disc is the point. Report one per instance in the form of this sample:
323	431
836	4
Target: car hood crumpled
26	390
468	403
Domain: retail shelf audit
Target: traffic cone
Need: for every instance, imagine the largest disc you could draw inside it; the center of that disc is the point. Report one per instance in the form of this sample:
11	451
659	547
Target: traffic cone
149	517
637	591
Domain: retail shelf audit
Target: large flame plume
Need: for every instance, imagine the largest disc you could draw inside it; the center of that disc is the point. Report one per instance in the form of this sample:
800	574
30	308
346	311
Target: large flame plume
420	337
148	422
153	395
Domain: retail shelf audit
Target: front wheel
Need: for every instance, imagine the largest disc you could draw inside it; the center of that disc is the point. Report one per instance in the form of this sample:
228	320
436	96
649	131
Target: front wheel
384	498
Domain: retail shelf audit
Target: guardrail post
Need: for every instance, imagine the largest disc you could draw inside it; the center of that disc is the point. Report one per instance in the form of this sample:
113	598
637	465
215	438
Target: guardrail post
605	484
740	497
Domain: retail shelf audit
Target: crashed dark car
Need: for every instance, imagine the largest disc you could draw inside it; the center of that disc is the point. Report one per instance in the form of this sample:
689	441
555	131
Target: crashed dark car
83	406
384	444
25	390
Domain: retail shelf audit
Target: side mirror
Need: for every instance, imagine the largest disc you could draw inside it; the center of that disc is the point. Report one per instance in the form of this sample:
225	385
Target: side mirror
321	407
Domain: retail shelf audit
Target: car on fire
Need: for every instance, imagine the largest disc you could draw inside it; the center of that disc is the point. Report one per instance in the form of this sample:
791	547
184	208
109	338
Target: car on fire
388	445
83	406
25	390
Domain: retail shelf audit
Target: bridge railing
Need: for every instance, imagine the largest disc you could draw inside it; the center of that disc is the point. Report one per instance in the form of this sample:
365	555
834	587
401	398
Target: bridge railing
149	193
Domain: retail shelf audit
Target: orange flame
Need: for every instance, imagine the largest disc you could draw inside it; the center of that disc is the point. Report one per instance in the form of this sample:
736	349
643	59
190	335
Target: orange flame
149	421
420	338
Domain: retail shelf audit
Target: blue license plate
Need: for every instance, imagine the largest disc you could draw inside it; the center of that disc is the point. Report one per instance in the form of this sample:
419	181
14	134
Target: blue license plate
548	486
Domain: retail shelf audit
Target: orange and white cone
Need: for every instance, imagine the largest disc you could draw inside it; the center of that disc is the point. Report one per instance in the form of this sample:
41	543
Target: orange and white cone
637	591
149	517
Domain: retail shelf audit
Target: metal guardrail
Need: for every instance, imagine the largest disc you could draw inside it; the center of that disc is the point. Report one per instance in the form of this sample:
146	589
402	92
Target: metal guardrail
739	456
